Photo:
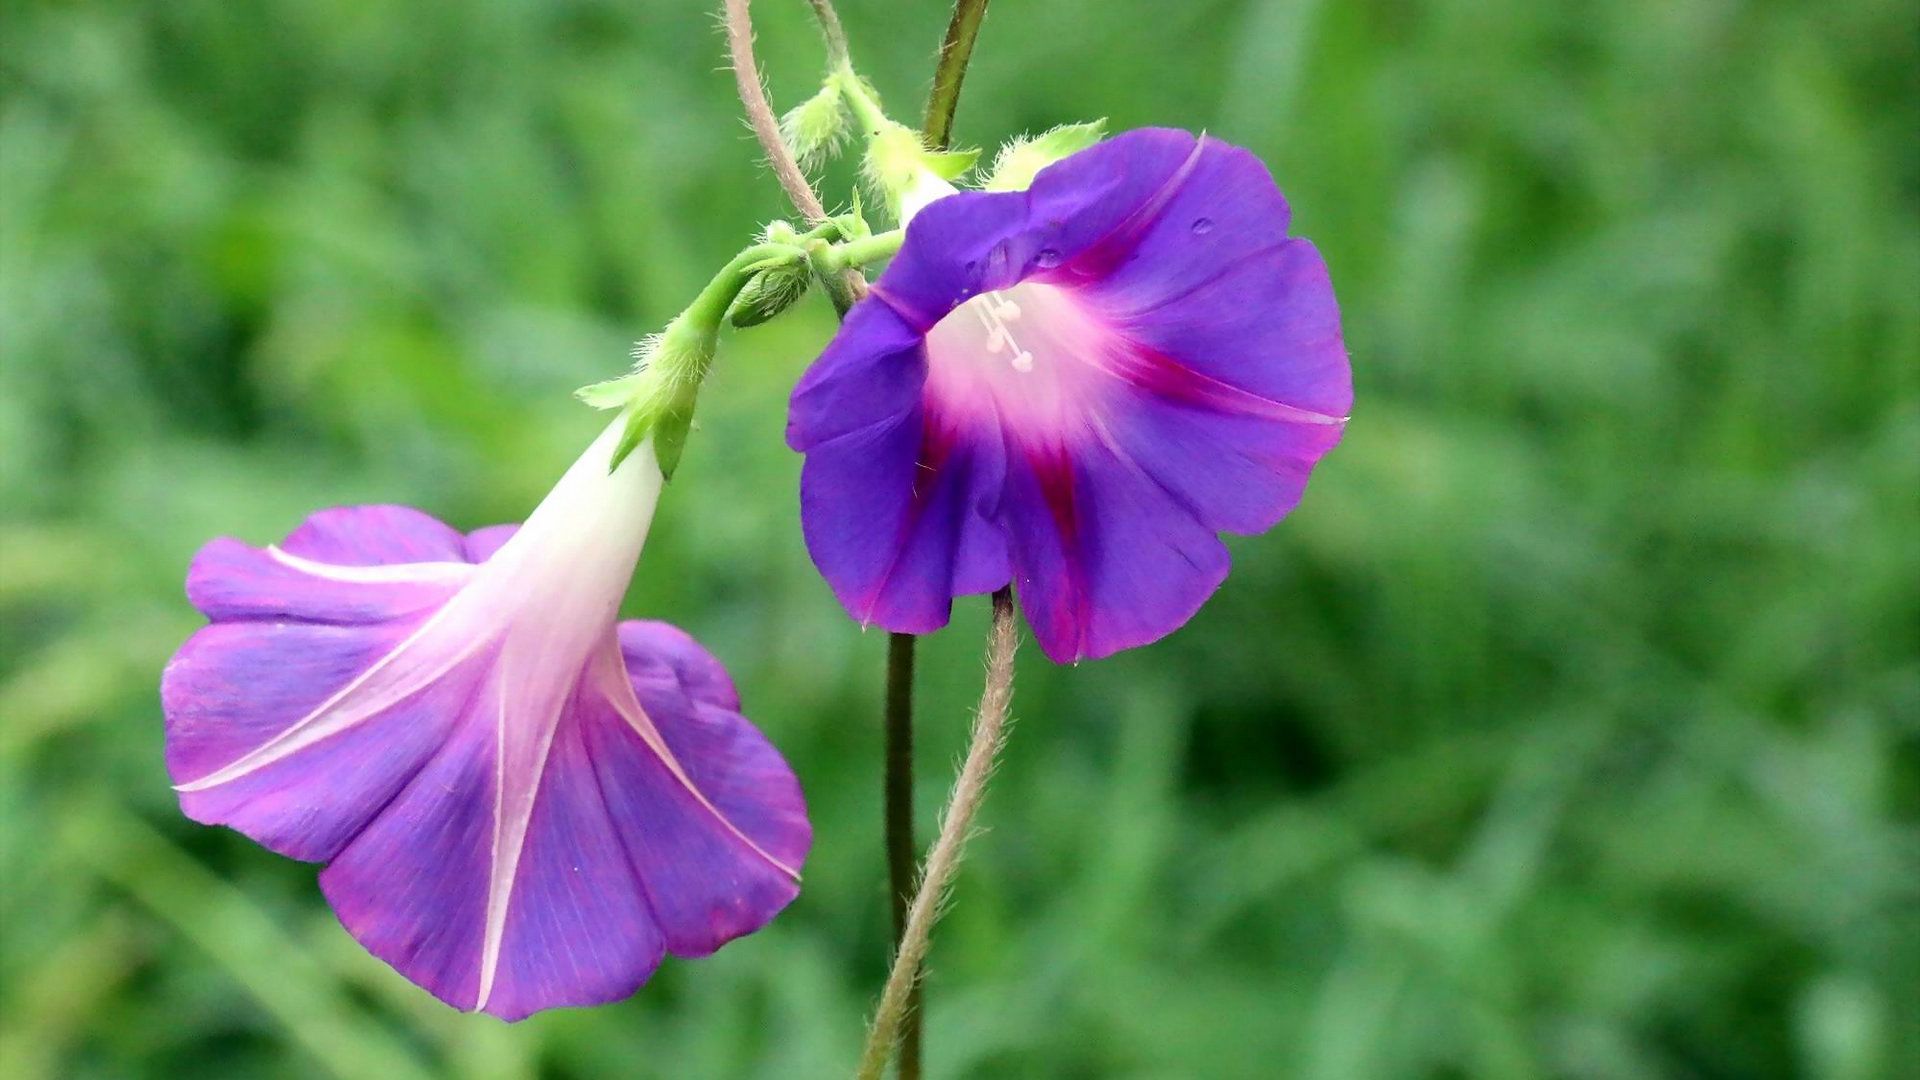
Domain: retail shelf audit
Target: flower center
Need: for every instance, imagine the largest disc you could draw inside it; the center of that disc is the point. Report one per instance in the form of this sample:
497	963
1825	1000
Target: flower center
1030	357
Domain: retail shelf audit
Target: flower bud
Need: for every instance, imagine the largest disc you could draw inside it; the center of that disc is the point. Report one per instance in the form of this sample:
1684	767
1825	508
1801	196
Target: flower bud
814	129
767	294
1020	160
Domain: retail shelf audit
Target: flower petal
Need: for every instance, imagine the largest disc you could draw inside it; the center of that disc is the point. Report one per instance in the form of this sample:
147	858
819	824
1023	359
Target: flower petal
1157	362
1267	326
921	536
711	817
672	825
869	374
482	543
975	241
1215	204
264	735
348	564
693	704
1233	473
420	887
372	714
375	535
1105	557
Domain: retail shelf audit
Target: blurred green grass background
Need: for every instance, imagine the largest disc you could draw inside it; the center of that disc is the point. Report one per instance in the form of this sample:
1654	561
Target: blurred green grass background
1568	730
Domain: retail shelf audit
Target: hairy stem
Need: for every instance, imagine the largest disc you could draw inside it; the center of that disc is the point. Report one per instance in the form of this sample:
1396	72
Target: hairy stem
955	50
766	129
956	825
836	37
760	114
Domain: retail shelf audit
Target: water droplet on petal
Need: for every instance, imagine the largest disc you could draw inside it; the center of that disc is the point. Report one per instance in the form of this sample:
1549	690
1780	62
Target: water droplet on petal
1202	226
1047	258
996	258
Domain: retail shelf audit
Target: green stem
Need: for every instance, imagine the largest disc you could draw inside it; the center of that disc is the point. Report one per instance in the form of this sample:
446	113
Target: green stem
658	397
833	278
830	30
955	51
895	1018
901	849
860	100
867	249
709	308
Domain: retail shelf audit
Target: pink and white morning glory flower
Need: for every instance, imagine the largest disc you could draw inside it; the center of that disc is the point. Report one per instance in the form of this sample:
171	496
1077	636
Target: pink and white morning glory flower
1074	388
521	803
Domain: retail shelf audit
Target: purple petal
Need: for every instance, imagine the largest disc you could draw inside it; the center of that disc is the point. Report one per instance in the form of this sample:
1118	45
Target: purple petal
1233	473
923	537
482	543
1105	558
230	580
1267	326
241	689
348	564
870	374
380	535
662	656
692	702
411	887
553	920
1214	206
714	827
972	242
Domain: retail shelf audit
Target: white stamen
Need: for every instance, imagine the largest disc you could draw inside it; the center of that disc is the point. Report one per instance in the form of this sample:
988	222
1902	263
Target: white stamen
995	310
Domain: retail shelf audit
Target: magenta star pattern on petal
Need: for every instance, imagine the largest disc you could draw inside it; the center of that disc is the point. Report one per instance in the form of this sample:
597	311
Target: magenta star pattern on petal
1074	388
521	803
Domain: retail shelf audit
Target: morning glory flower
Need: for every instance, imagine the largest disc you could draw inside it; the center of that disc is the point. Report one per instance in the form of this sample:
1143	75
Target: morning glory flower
521	803
1074	388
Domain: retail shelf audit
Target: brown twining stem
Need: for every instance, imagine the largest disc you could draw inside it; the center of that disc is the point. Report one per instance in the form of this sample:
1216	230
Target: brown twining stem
956	826
955	50
760	114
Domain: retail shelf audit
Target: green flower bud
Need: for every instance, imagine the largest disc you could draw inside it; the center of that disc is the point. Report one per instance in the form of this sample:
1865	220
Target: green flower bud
1022	159
767	294
814	129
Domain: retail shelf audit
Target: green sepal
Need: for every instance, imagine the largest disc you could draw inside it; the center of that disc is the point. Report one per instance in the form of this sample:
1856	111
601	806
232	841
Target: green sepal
1019	161
899	160
611	394
659	394
667	419
951	165
852	225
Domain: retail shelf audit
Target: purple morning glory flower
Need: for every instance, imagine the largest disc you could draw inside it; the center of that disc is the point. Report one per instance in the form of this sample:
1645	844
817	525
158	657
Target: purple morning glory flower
521	804
1076	388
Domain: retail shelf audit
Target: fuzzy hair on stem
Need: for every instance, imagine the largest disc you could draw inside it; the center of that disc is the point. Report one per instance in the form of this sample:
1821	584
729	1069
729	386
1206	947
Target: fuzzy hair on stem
760	114
956	828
